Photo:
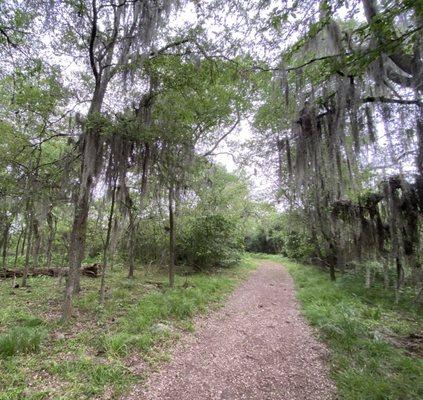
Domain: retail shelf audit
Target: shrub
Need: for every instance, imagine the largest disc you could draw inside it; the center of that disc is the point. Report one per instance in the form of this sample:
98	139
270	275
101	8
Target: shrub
210	241
262	241
278	238
296	245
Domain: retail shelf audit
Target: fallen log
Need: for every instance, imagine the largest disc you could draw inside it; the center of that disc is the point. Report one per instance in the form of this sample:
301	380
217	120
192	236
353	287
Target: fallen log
159	285
92	271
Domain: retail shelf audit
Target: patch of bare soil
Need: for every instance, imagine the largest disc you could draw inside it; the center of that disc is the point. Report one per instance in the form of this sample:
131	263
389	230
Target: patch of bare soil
257	347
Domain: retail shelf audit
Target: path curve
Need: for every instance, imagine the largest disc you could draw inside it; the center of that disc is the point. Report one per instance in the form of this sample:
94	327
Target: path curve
257	347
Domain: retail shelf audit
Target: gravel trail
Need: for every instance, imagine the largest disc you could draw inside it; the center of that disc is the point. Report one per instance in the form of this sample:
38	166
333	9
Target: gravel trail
257	347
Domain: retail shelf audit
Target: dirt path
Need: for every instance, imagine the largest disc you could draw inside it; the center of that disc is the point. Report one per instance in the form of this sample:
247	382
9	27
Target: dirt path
257	347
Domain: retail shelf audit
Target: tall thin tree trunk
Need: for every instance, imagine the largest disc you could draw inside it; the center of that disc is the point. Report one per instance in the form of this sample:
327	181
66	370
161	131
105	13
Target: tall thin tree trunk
400	279
171	237
368	280
28	252
24	240
385	273
52	225
131	243
37	241
280	145
113	241
419	160
143	191
90	155
15	262
5	244
106	246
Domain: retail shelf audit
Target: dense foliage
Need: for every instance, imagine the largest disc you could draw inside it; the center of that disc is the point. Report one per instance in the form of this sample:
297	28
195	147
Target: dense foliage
114	113
341	118
139	134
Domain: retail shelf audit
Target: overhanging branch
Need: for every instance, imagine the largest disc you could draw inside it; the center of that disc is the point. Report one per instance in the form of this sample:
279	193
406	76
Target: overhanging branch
223	137
382	99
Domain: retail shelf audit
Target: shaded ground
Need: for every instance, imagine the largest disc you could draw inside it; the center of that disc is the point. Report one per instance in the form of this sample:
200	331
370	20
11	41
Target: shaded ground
257	347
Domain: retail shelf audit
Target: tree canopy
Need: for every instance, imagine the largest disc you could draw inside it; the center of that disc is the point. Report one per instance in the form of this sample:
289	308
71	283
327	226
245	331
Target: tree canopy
115	114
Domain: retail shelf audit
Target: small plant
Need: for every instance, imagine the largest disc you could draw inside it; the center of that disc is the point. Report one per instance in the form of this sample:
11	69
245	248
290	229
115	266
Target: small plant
117	344
21	340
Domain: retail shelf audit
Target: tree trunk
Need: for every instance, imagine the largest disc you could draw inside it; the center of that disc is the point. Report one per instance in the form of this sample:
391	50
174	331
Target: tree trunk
368	281
52	225
332	273
5	244
24	240
385	274
15	262
332	261
143	192
114	236
171	237
77	244
37	241
419	159
106	246
400	279
131	243
90	155
28	252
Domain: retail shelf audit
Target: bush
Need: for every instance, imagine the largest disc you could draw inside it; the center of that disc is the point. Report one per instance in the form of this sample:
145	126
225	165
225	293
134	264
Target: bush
270	242
210	241
296	245
279	238
151	241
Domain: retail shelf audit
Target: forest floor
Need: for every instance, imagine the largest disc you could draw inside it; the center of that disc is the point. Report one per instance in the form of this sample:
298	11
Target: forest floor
194	342
257	347
102	351
375	342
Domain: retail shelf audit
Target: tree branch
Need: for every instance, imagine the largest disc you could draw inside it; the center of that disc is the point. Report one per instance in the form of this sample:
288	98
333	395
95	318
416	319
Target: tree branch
176	43
92	42
7	37
381	99
208	153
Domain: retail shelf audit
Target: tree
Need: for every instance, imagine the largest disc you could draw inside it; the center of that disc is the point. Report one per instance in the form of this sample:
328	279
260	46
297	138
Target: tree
337	84
111	41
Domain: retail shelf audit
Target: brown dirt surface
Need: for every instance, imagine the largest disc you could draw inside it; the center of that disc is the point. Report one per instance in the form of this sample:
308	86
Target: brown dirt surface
257	347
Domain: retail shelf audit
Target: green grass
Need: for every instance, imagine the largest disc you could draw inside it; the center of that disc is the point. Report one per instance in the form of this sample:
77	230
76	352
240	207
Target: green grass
20	340
88	358
366	333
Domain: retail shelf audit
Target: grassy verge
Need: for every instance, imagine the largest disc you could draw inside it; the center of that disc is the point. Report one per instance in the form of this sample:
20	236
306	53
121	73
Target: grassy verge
104	350
374	352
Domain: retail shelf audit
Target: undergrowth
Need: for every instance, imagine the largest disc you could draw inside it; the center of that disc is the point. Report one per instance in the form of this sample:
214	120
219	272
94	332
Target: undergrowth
369	336
93	356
